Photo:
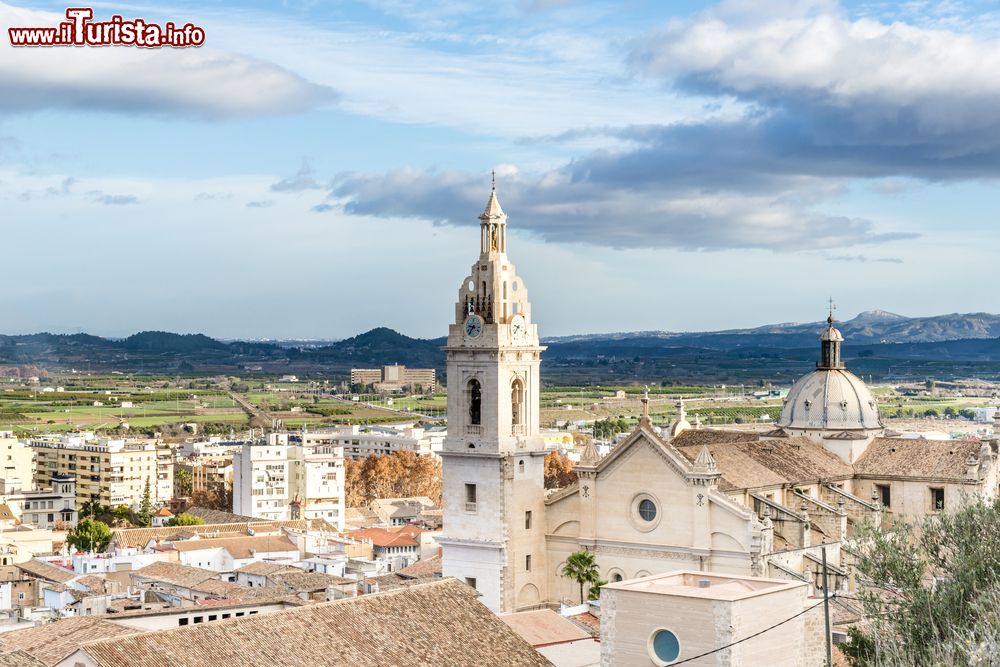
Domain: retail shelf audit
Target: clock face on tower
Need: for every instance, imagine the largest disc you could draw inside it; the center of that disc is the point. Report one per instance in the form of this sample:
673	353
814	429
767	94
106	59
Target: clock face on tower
518	327
473	326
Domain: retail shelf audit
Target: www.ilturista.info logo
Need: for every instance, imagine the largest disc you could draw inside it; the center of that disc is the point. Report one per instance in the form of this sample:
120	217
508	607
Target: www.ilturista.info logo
80	30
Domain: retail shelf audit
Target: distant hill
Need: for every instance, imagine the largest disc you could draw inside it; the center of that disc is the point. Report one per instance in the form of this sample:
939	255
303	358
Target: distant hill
879	343
873	326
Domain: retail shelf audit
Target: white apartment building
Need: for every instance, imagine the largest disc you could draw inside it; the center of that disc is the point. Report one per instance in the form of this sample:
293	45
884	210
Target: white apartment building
51	508
17	461
110	471
214	446
360	441
290	476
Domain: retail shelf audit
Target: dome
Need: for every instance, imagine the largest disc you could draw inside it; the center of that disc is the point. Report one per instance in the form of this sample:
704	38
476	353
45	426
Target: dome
830	399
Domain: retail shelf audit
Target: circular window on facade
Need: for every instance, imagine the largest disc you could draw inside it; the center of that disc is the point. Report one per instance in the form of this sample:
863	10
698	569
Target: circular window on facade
664	647
647	509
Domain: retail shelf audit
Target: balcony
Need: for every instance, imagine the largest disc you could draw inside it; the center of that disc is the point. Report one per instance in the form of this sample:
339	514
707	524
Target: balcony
470	508
473	429
518	429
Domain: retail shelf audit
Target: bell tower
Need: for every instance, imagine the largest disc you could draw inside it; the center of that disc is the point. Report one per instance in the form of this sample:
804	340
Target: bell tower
493	457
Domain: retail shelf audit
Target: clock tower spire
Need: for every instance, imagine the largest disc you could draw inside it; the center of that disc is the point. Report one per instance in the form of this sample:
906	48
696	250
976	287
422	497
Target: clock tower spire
493	457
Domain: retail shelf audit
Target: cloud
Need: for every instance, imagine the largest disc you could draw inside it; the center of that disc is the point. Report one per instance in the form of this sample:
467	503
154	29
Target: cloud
302	180
323	208
864	259
202	83
267	203
603	207
116	200
832	95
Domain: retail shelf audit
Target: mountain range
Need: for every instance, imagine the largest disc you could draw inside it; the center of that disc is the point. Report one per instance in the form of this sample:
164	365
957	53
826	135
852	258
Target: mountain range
878	343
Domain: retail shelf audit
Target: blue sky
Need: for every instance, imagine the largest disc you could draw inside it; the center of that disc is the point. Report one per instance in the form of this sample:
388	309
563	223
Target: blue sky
317	168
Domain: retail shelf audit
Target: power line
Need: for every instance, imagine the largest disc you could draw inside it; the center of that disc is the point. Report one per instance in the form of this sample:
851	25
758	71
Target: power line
756	634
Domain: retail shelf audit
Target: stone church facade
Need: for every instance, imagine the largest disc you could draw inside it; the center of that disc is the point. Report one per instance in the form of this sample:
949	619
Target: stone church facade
663	499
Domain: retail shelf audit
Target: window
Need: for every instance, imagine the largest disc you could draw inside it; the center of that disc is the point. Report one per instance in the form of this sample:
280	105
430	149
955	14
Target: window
225	616
475	398
520	466
470	498
182	621
615	578
213	617
527	563
527	520
198	619
471	581
517	402
937	499
884	494
647	509
664	647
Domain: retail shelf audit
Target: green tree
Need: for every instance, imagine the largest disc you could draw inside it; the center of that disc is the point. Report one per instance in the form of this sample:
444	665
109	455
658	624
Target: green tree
930	591
90	535
582	568
594	593
182	484
122	515
90	508
145	513
185	519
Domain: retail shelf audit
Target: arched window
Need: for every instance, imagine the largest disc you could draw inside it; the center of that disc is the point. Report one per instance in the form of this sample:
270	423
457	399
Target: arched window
475	398
517	402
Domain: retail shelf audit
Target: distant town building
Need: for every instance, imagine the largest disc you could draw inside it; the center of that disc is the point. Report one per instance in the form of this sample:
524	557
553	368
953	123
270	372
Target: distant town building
111	471
360	441
52	507
394	378
17	460
210	475
290	476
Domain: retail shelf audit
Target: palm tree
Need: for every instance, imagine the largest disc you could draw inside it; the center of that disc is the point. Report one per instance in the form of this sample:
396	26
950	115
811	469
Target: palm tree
582	568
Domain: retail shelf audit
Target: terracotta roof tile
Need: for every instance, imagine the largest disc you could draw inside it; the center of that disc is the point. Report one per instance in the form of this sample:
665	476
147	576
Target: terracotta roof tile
42	570
240	547
20	659
432	624
51	642
174	573
752	464
712	436
398	536
427	567
544	626
139	537
941	459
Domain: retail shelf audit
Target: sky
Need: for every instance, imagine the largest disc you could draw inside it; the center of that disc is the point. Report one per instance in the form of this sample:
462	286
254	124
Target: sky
316	169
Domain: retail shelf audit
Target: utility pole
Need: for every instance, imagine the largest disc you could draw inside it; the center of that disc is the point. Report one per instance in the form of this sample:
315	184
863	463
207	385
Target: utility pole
826	612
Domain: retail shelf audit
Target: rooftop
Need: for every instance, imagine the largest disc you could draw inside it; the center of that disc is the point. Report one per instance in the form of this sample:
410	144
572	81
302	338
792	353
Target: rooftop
240	547
432	624
751	463
399	536
51	642
139	537
544	626
705	585
42	570
175	573
940	459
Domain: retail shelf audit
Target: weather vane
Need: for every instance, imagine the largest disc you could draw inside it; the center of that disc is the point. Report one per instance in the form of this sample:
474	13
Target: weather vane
833	307
493	173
